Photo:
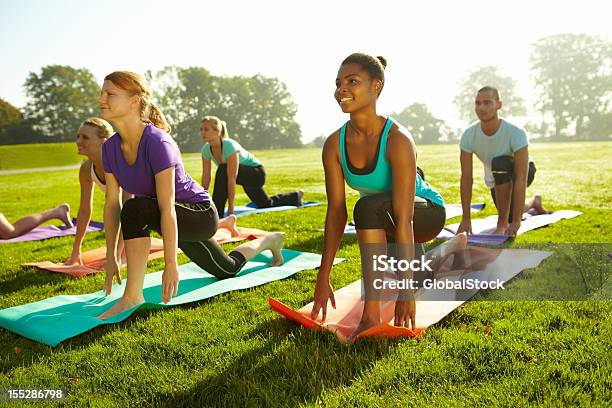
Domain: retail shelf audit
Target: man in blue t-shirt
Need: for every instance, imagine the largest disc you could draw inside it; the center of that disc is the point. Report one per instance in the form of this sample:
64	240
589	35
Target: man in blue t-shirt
502	148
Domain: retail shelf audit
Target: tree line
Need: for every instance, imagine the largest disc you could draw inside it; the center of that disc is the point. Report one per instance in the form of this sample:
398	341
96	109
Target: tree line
571	74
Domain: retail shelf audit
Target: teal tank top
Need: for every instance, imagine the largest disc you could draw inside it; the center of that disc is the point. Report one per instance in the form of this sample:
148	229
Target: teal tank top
379	180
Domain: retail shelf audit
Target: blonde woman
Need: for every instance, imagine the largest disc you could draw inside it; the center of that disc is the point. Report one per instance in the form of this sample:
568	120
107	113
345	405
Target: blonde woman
90	136
235	165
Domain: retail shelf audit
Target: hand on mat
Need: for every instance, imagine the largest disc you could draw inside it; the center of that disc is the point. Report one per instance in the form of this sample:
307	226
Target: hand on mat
513	228
465	226
170	282
323	293
405	313
75	259
112	271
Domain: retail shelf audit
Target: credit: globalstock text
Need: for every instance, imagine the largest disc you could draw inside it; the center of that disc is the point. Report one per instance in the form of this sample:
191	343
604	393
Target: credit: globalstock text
436	284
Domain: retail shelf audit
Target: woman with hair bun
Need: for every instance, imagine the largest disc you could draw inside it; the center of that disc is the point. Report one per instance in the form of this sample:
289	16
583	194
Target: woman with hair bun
376	156
143	159
235	165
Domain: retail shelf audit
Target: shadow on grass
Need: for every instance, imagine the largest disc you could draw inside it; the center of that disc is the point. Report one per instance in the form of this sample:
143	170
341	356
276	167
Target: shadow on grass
29	276
19	351
294	366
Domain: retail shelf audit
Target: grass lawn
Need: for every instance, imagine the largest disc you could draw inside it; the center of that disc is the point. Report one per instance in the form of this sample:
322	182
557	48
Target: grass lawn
29	156
233	350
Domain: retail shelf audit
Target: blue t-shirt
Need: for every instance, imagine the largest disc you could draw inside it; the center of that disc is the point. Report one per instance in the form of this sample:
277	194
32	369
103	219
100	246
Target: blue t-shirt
157	151
507	140
228	148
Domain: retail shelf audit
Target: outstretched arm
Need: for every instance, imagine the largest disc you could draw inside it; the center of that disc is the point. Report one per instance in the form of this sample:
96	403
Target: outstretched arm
206	170
402	158
84	214
112	214
466	184
164	186
232	174
335	221
519	187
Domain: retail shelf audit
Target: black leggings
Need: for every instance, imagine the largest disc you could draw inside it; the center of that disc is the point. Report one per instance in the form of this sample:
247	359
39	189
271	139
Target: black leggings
196	223
376	212
503	172
252	180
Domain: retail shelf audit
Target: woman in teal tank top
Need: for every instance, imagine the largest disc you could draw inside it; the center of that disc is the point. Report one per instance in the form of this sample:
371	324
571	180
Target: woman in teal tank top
377	157
235	165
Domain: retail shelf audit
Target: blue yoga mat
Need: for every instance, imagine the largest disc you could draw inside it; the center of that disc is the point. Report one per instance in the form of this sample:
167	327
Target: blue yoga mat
251	208
53	320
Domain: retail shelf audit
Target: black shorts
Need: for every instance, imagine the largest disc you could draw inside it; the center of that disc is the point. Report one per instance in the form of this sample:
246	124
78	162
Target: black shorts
376	212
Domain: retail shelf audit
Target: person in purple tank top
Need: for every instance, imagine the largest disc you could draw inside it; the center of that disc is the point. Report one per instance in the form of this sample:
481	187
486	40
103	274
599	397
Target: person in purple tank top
143	159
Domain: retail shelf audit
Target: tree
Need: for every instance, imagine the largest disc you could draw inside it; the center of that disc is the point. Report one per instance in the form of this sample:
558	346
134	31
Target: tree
22	133
269	115
478	77
9	115
422	125
318	141
60	98
573	73
259	111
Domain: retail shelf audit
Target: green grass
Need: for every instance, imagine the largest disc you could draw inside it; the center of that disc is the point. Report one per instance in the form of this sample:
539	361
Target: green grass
233	350
29	156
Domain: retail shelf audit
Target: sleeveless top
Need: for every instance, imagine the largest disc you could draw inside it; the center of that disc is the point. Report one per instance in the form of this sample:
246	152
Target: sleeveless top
379	179
97	180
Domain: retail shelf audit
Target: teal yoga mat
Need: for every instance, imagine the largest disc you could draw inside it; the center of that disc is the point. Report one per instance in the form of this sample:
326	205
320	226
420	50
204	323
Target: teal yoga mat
56	319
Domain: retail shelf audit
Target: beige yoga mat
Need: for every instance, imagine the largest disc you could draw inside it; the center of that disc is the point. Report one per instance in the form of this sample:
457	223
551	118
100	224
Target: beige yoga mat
484	226
489	265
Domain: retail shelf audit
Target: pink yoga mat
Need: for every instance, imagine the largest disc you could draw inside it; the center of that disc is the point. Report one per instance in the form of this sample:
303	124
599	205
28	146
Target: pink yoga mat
94	260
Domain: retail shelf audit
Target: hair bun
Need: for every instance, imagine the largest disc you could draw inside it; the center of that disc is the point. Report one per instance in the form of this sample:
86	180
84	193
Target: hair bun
382	60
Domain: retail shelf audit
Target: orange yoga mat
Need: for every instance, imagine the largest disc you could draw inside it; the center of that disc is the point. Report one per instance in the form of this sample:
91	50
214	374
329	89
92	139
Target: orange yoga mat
431	305
94	260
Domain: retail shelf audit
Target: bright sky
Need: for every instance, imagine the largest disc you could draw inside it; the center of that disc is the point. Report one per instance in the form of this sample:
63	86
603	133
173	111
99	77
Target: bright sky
429	45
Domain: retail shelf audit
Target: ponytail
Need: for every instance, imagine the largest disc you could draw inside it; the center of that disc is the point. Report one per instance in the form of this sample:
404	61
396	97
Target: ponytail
157	118
224	134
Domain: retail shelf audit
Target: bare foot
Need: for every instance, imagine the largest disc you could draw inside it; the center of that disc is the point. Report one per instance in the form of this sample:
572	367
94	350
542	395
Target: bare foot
63	213
121	306
363	326
300	194
537	205
500	230
277	240
229	223
455	246
456	243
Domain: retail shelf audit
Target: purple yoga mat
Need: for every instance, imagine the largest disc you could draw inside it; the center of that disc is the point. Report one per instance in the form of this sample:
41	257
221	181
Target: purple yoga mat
51	231
482	239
